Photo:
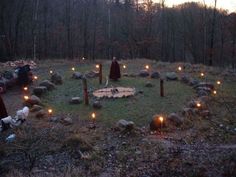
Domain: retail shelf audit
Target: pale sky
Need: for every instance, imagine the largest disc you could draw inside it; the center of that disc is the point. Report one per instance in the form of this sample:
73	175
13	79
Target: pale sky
230	5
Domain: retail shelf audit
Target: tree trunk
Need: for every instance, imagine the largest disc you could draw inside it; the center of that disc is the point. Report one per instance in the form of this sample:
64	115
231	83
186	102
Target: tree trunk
212	36
45	19
68	26
233	52
85	31
94	29
34	29
18	21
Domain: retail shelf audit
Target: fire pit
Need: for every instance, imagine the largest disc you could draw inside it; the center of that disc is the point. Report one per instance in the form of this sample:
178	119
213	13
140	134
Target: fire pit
114	92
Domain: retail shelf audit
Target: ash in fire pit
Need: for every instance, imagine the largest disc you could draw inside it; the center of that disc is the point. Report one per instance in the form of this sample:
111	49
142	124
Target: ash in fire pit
116	92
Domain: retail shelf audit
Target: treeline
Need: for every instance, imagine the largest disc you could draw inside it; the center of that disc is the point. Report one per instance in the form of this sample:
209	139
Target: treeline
123	28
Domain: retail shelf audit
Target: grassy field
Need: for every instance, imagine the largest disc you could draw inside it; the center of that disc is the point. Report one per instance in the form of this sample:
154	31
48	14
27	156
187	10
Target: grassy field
139	108
199	147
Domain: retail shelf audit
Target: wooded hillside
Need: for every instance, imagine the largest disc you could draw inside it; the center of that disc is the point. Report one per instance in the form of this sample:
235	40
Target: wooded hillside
92	29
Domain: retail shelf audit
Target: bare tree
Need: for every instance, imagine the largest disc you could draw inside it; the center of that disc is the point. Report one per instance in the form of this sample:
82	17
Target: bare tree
35	28
212	35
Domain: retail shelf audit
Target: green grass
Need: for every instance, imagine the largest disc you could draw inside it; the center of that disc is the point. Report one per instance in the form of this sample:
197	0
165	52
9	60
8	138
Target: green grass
139	108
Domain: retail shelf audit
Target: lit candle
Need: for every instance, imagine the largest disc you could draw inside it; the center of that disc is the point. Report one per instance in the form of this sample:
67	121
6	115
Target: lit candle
198	105
202	74
180	68
161	120
50	71
218	82
35	77
93	115
124	66
147	67
25	88
26	98
73	69
214	92
83	58
97	66
50	112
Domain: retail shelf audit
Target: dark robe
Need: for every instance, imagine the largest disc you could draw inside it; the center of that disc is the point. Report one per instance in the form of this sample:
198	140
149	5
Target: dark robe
114	71
23	75
3	111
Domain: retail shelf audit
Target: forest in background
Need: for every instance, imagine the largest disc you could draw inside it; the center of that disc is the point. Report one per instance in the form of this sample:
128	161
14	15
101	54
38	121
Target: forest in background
97	29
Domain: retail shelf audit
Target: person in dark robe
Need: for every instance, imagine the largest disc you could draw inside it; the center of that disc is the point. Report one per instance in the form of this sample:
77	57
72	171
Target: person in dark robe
24	75
3	111
114	70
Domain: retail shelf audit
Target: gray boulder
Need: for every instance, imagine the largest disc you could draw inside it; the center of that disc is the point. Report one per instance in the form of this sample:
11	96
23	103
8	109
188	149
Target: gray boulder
193	82
125	74
36	108
54	119
48	84
205	113
77	75
206	89
56	78
155	75
191	104
40	90
97	105
76	100
149	84
201	93
124	124
204	85
175	119
33	100
67	121
91	74
171	76
41	114
185	79
187	112
144	73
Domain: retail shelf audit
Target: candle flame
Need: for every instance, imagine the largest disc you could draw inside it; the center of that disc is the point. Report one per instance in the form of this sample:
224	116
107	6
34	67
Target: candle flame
93	115
51	71
147	67
97	66
35	77
180	68
25	88
26	97
124	66
202	74
49	111
161	119
214	92
218	82
73	69
199	105
83	58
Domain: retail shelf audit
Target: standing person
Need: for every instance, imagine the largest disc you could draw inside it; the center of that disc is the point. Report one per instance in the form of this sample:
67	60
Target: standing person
24	75
114	70
3	111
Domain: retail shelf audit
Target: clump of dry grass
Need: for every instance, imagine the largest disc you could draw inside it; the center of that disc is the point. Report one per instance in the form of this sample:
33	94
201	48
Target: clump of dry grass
77	141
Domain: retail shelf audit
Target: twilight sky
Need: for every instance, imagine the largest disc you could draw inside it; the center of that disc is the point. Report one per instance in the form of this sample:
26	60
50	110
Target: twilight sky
230	5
